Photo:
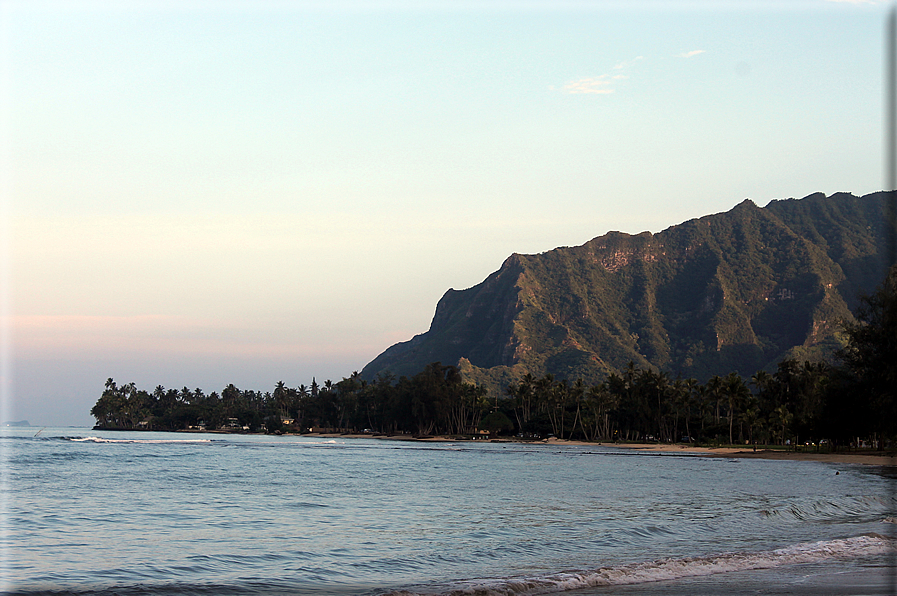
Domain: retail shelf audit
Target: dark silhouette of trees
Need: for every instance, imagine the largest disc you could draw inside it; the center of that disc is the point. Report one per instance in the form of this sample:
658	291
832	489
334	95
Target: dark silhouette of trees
862	392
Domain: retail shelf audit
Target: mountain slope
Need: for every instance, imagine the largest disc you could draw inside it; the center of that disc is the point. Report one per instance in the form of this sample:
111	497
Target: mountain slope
732	291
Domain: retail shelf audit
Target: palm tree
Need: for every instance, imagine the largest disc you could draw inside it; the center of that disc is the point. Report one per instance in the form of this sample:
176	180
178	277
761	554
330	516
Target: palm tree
750	416
280	398
577	394
543	393
715	392
762	380
736	392
558	396
703	397
782	416
600	403
691	388
680	393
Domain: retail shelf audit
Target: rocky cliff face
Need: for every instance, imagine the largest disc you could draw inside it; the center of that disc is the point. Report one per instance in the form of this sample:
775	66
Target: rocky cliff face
733	291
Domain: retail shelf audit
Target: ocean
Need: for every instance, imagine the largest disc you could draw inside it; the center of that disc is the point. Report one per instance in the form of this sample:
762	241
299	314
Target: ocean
99	512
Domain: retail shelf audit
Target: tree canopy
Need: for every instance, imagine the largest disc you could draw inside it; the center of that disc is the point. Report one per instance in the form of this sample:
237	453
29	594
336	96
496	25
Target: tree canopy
868	377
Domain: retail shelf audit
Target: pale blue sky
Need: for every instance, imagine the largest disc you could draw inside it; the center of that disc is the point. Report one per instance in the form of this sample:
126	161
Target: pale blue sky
249	193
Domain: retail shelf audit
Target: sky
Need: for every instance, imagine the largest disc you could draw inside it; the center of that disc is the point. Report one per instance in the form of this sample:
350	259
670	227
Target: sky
197	194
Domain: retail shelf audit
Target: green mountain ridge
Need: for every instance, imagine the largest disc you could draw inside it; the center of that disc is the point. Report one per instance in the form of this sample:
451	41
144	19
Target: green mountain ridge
734	291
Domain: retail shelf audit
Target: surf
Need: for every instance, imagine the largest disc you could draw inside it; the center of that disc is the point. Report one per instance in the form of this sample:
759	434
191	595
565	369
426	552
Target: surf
135	441
669	569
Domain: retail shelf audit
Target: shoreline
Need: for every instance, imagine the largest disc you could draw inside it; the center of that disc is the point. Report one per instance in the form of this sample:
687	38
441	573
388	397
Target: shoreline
864	458
867	458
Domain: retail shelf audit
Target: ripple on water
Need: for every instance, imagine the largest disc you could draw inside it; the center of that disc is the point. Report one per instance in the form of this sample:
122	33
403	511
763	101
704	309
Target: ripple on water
240	514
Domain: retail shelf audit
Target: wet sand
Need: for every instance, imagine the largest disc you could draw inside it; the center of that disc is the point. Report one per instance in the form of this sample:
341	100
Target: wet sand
831	579
870	458
864	457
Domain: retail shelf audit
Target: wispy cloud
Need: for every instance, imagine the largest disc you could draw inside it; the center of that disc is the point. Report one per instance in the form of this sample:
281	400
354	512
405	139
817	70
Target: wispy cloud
600	84
689	54
628	63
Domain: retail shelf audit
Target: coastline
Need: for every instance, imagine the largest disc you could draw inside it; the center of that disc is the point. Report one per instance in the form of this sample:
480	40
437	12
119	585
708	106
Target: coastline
867	458
863	458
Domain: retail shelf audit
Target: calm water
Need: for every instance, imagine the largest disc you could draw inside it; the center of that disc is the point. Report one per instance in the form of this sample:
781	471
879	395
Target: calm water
166	513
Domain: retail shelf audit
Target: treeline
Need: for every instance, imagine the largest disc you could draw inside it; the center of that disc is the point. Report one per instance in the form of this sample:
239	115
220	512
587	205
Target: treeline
799	402
434	401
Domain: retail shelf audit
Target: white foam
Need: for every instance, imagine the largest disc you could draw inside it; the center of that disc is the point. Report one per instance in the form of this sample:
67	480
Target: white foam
149	441
672	569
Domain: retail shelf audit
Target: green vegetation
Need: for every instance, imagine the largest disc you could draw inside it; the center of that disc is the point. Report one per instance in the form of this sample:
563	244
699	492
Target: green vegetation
736	291
435	400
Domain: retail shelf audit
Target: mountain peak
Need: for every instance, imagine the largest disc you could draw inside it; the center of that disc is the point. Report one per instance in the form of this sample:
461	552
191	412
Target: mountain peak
738	290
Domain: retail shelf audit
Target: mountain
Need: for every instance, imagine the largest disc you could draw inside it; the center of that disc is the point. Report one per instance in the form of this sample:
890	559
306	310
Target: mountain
735	291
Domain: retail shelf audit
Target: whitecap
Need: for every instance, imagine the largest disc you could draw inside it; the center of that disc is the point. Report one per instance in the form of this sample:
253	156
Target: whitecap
131	441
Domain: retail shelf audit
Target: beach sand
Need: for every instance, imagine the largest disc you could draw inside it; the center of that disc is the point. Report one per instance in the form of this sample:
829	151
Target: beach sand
865	457
871	458
829	579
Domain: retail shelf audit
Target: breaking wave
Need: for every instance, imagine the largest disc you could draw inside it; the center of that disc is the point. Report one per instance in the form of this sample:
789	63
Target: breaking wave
663	569
148	441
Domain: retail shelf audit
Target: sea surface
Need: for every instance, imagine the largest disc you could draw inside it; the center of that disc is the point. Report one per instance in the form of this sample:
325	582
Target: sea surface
98	512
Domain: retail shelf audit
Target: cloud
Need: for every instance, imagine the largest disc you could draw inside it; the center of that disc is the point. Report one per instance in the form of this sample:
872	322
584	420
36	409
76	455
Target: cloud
589	85
602	84
855	1
628	63
689	54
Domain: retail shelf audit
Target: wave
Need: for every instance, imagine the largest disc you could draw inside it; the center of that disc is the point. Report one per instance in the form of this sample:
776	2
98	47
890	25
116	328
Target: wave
663	569
148	441
833	510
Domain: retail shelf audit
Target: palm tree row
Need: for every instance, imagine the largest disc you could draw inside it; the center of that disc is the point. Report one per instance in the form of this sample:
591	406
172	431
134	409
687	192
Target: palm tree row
636	404
435	400
644	404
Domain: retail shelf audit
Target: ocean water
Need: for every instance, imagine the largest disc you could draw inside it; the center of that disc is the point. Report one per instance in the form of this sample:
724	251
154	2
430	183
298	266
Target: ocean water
170	513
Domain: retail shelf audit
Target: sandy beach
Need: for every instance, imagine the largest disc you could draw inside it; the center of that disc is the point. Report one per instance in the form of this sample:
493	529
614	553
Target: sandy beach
798	580
870	458
865	457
